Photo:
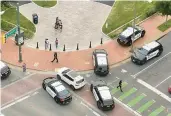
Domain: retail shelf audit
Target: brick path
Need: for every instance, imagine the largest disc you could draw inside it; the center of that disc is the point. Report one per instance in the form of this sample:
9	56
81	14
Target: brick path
82	59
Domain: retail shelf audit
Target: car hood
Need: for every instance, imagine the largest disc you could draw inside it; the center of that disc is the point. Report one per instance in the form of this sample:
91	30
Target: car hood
78	78
136	54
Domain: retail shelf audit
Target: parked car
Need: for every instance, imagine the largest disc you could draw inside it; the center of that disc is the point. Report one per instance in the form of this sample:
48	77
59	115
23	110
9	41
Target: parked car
100	62
57	90
71	77
147	52
102	95
126	38
5	70
169	89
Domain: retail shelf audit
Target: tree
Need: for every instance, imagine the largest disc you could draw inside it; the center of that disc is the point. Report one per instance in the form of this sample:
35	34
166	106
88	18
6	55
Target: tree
163	7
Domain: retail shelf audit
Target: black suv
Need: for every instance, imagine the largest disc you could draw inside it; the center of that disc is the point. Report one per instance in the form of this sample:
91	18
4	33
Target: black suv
142	55
57	90
100	62
5	70
126	37
102	95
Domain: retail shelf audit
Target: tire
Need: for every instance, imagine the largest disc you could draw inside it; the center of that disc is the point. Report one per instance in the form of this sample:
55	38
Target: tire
143	62
159	53
98	104
56	100
143	33
43	86
129	43
72	87
58	77
91	87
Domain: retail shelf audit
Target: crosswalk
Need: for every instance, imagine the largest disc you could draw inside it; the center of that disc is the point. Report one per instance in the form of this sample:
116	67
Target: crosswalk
138	101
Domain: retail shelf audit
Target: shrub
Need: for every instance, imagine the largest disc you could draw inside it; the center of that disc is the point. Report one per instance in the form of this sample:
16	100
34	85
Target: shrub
150	12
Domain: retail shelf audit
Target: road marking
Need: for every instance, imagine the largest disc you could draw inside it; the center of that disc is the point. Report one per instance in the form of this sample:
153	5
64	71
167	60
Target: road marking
157	111
90	109
126	107
18	80
136	100
114	90
135	75
123	71
154	90
131	91
145	106
13	103
36	64
162	81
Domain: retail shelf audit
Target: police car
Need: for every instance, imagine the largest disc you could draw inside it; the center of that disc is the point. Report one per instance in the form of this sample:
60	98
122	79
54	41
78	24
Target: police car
100	62
126	37
147	52
102	95
71	77
55	88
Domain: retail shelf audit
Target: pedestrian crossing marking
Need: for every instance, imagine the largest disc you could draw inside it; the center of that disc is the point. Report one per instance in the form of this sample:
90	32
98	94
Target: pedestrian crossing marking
157	111
169	115
145	106
131	91
114	90
136	100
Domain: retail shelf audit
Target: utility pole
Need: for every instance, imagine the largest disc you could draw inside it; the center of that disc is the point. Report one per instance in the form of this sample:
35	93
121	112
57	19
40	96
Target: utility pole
18	25
132	46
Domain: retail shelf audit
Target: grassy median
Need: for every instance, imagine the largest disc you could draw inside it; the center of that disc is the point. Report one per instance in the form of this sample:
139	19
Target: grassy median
46	3
166	25
123	12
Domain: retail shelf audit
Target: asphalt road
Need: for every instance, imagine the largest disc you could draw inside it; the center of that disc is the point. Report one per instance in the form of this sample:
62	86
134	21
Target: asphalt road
41	103
14	76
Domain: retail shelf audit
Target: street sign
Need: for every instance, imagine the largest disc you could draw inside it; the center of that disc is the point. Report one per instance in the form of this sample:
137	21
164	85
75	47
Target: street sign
11	32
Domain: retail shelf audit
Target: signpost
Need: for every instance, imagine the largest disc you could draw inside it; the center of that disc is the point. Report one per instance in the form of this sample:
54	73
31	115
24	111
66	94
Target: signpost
11	32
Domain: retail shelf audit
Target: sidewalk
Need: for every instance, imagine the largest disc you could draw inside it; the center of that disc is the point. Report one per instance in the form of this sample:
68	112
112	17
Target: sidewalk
78	60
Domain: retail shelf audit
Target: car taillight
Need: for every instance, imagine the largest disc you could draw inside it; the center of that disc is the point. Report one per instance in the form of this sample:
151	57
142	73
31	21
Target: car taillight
61	99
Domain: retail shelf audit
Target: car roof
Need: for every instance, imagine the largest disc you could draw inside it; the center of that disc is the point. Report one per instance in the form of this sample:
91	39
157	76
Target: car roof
128	32
104	92
151	45
2	64
101	59
58	86
100	51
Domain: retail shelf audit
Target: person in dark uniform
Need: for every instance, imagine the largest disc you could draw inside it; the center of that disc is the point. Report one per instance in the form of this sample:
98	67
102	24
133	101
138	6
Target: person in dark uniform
120	85
55	57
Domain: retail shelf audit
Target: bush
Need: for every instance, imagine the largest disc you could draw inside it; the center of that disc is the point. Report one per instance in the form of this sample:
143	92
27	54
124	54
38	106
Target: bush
150	12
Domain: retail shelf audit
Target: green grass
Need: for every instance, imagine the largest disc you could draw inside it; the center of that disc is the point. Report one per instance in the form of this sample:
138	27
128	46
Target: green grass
123	12
163	27
9	21
45	3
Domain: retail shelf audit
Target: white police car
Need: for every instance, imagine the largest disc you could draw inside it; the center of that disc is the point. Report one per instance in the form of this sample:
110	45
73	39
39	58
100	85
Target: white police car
147	52
55	89
71	77
126	37
102	95
100	62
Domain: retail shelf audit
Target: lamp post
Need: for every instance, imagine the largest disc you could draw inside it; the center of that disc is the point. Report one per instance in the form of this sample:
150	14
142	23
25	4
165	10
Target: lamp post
18	37
132	47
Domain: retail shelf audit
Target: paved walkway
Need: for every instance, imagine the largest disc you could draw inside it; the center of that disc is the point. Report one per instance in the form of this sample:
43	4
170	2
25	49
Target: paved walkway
82	59
82	22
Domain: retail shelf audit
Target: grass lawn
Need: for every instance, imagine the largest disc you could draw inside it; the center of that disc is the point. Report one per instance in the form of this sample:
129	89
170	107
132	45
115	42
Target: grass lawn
123	12
163	27
46	3
8	21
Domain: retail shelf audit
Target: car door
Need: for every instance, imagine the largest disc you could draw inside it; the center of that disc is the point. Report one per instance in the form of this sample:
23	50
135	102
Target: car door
152	53
137	35
50	91
95	93
68	79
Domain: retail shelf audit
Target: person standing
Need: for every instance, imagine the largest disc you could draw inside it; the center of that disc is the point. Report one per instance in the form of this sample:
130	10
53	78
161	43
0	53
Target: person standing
120	85
55	57
56	43
24	67
47	44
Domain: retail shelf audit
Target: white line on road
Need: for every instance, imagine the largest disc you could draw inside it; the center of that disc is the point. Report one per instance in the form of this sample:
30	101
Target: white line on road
135	75
162	82
154	90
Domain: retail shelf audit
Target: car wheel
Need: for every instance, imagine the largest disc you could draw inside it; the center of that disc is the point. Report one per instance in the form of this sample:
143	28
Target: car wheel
130	43
98	104
143	33
159	53
143	62
91	87
58	77
43	85
72	87
56	99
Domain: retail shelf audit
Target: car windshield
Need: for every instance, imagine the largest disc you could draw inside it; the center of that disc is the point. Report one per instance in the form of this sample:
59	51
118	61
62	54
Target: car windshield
63	93
80	81
122	37
73	74
143	51
108	102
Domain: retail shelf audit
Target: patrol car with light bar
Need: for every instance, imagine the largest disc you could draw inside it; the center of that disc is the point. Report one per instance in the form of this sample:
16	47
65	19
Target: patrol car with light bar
147	52
57	90
100	62
126	38
71	77
102	95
